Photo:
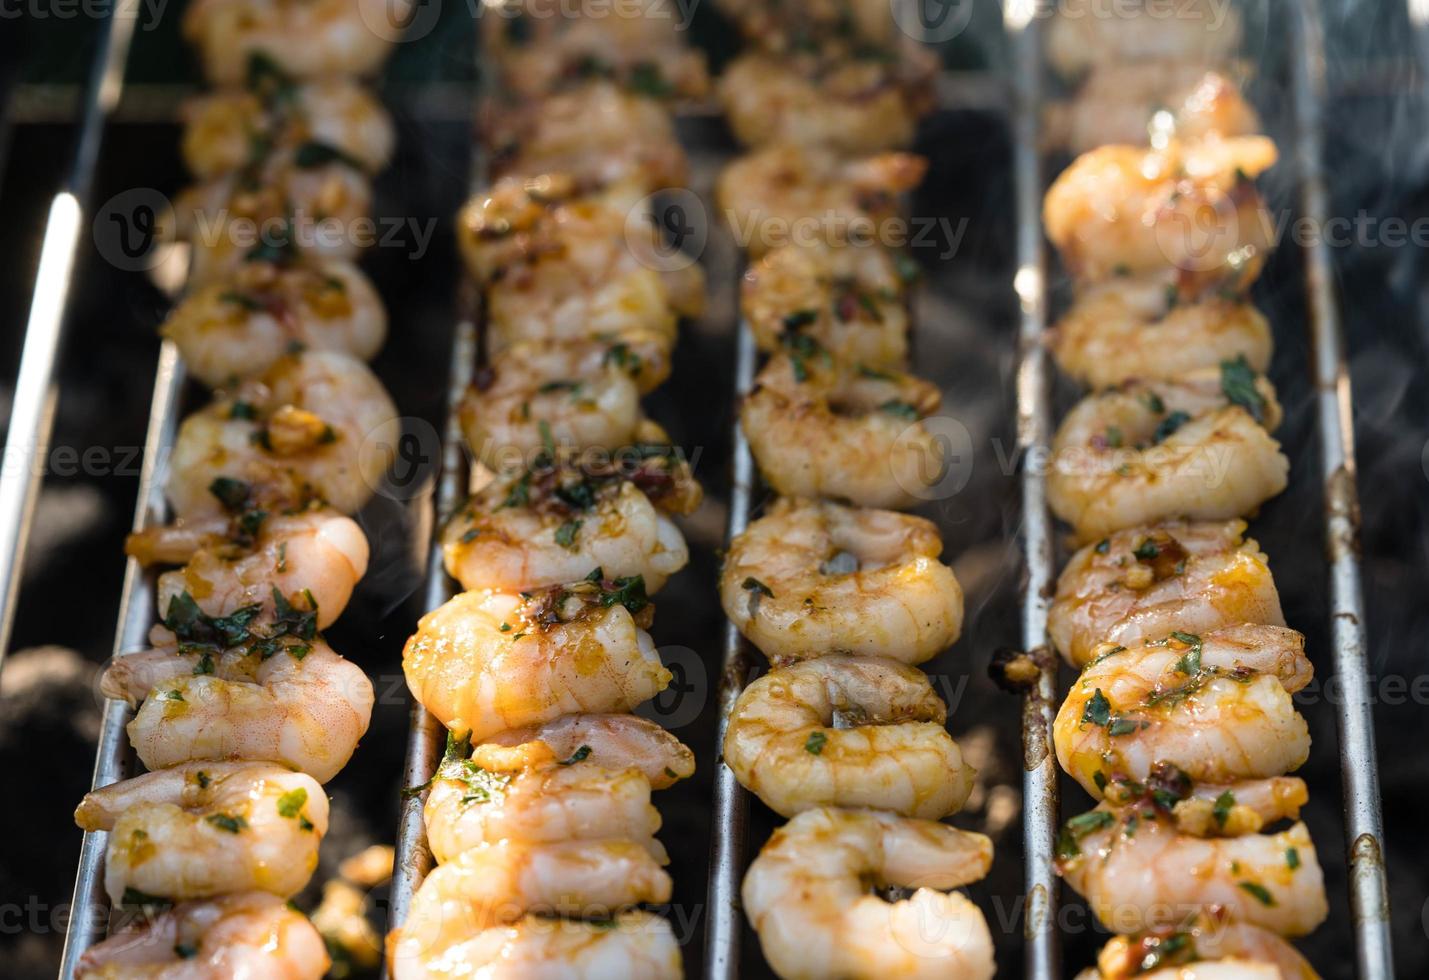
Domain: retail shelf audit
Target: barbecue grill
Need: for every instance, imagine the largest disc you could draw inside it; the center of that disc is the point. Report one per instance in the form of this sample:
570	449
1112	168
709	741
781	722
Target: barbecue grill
978	321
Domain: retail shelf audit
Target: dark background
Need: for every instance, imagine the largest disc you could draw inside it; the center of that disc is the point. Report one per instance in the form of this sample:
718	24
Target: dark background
1376	154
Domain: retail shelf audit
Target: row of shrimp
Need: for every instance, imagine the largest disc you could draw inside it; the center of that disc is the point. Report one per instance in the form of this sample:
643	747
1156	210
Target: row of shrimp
540	814
243	709
841	592
1182	723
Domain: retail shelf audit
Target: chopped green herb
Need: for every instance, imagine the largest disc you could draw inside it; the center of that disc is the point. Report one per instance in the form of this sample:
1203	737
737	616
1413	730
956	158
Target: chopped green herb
291	803
1292	858
1190	662
646	79
233	494
1238	385
314	154
1146	550
1221	809
1122	726
1103	546
202	778
1258	892
566	534
1169	425
242	410
901	409
814	744
228	822
628	592
800	318
579	755
185	951
471	535
864	371
1113	437
1097	710
171	696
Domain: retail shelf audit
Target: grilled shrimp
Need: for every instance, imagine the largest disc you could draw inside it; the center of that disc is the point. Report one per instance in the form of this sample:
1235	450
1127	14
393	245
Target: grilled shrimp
203	829
1126	103
544	799
562	263
1128	210
556	521
240	325
330	114
1206	939
1127	329
629	946
288	700
851	732
612	741
1199	447
812	578
285	205
565	43
251	934
808	896
496	884
579	393
832	25
825	428
317	426
1199	32
785	193
1138	871
486	662
1144	582
308	39
850	300
317	554
848	105
597	133
1217	705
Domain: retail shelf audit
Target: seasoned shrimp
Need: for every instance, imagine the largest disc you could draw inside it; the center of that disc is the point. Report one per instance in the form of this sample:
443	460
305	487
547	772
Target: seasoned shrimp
629	946
240	325
1138	871
612	741
1217	705
813	578
825	428
284	699
1209	938
808	896
1127	103
787	193
317	426
563	43
850	105
283	205
847	731
1200	32
1126	329
541	799
849	299
1144	582
1199	447
597	133
1193	207
578	393
559	263
203	829
302	38
555	521
831	25
486	662
251	934
318	555
330	114
496	884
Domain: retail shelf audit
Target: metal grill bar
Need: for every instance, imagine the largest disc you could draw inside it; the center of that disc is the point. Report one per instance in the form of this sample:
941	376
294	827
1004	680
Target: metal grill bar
88	913
413	859
731	800
32	414
1039	706
1364	826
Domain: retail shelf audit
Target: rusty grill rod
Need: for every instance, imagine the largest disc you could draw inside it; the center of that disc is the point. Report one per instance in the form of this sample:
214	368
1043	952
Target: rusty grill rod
32	413
1364	825
1039	763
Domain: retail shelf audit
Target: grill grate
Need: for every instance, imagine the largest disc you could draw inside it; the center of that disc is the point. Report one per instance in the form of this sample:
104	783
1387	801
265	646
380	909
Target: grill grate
30	425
